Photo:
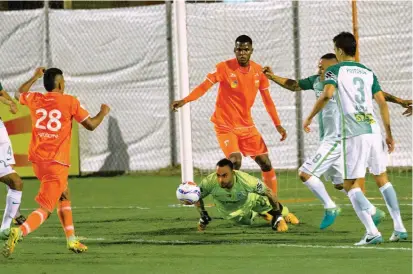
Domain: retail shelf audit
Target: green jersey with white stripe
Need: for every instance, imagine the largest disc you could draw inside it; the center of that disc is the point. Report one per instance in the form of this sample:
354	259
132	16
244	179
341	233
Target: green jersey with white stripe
230	200
355	86
329	117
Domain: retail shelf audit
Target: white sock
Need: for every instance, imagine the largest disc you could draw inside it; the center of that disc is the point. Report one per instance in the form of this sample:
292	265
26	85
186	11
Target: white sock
358	200
319	190
389	195
12	206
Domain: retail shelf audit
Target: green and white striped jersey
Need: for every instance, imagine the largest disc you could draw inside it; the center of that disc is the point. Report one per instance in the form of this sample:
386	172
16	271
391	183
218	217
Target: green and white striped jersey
329	116
355	86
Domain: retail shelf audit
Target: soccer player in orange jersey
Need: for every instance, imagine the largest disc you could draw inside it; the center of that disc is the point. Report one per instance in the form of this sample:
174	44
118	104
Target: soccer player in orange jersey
239	80
52	115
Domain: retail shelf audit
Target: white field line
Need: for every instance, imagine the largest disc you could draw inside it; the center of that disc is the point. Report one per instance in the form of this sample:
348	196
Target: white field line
179	242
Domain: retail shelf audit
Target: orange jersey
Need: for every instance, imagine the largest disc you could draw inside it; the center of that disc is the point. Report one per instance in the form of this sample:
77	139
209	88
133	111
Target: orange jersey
238	88
52	114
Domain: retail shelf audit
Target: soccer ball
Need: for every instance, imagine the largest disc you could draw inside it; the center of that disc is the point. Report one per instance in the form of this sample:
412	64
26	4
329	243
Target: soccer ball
188	193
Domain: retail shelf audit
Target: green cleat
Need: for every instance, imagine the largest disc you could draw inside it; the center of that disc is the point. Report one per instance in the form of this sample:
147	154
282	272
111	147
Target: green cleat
330	216
378	217
397	236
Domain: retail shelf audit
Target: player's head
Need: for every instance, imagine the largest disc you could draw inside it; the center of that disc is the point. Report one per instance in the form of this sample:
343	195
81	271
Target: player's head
53	80
225	173
243	50
345	45
326	61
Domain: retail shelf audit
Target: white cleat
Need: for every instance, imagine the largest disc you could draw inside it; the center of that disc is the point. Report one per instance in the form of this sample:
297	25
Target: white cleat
369	239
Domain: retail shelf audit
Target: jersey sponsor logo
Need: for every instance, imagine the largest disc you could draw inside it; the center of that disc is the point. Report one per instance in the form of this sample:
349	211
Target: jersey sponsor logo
330	76
234	84
260	186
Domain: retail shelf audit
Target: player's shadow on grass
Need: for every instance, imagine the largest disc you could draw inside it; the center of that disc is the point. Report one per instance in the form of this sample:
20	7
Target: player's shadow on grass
117	163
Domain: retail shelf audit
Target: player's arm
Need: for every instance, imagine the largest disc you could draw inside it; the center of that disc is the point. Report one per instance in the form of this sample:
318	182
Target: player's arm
91	123
403	103
319	105
200	206
270	106
385	116
7	100
200	90
286	83
28	84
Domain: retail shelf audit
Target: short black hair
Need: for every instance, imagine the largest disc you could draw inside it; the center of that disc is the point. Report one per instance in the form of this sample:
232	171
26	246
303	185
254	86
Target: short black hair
329	56
49	76
347	42
243	39
225	162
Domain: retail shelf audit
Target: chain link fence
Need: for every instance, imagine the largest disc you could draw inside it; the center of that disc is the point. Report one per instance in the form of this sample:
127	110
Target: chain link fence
120	57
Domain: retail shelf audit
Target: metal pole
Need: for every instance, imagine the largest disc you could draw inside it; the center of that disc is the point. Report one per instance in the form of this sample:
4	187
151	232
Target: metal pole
297	73
46	34
172	120
355	27
183	87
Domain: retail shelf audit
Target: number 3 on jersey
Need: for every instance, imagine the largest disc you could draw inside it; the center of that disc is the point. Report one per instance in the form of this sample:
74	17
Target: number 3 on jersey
53	122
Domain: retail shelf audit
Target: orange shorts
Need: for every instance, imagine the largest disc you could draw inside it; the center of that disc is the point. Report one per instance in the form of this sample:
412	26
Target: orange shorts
53	182
247	141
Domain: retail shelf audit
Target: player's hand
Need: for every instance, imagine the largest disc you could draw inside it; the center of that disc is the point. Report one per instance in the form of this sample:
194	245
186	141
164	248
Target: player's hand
203	221
407	104
408	112
268	72
177	104
105	109
13	108
205	218
390	144
306	125
282	132
38	73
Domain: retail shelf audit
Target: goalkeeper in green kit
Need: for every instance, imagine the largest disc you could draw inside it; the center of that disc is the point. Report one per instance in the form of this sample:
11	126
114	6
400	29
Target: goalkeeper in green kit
241	197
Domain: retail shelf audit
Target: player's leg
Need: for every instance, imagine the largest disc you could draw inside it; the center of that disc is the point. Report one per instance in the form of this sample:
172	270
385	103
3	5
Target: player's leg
51	188
14	195
356	151
228	142
377	166
64	212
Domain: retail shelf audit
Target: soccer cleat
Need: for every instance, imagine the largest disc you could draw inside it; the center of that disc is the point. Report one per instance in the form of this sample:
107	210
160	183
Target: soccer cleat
370	239
14	236
4	234
267	217
397	236
378	216
201	227
292	219
279	224
19	220
76	246
330	215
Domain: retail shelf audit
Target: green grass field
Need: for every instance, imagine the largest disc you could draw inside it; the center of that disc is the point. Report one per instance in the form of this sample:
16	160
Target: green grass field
132	224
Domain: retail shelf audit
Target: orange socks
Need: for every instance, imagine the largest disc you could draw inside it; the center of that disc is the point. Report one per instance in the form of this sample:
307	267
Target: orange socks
270	180
35	219
64	211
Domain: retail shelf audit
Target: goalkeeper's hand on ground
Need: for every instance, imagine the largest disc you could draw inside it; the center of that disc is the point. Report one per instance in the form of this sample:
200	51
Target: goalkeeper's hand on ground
204	220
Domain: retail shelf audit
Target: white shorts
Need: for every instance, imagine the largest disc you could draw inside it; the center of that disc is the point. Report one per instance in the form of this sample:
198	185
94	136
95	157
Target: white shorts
364	151
326	161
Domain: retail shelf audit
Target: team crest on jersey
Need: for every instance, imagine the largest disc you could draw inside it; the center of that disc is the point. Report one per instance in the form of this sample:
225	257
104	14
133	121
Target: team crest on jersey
330	76
234	83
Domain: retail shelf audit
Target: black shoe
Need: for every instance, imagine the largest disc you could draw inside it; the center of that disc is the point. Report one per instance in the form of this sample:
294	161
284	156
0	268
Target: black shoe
19	220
